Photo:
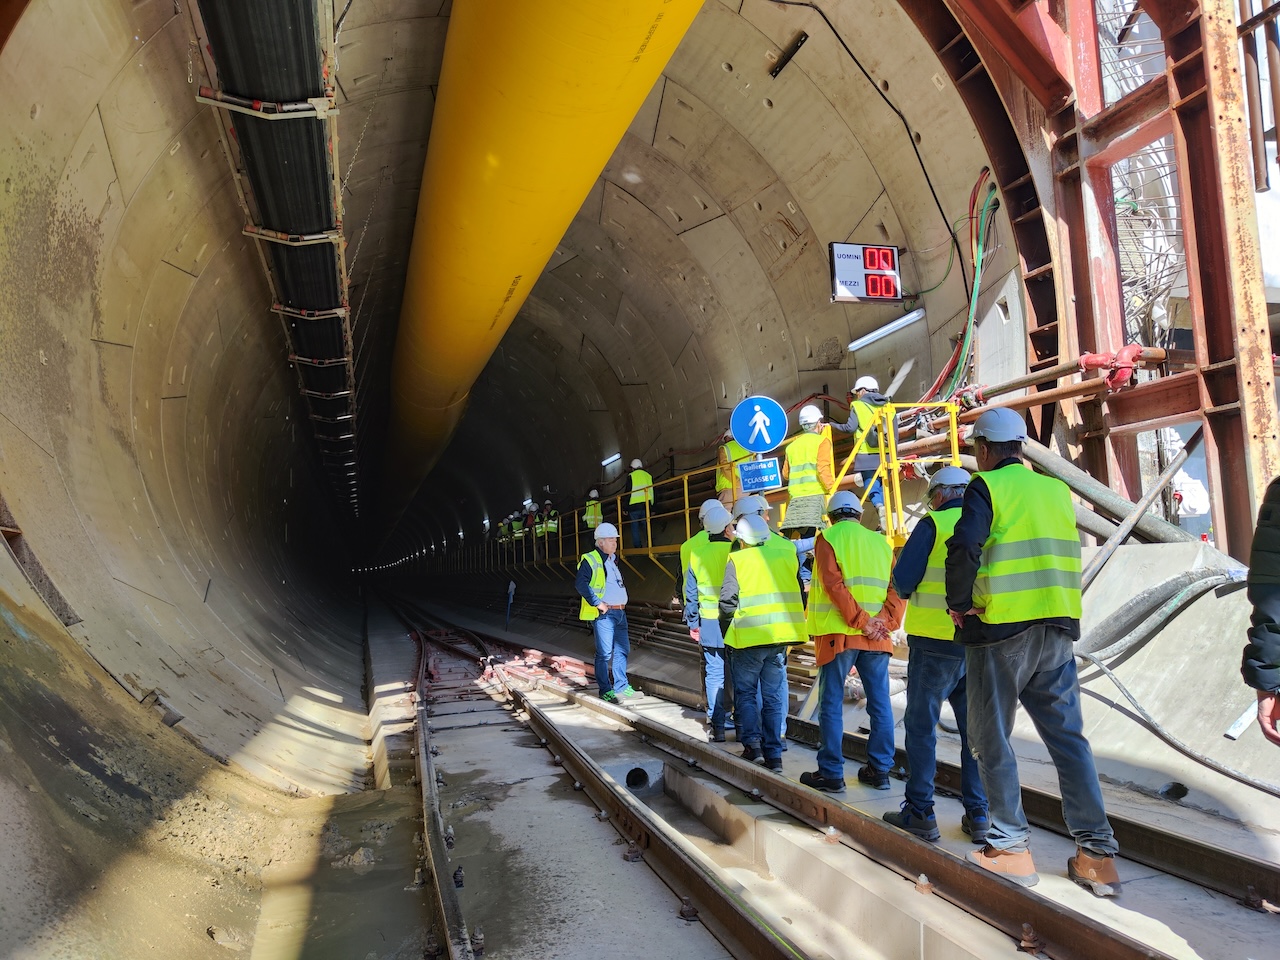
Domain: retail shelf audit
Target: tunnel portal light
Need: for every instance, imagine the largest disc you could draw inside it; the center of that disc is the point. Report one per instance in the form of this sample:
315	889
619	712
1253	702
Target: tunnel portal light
888	328
612	459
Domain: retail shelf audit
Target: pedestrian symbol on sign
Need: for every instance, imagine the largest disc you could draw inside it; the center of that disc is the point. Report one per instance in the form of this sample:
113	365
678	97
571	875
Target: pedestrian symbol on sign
759	425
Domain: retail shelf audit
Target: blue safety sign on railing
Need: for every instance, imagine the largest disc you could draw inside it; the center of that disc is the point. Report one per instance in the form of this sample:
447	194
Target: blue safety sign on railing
759	424
760	476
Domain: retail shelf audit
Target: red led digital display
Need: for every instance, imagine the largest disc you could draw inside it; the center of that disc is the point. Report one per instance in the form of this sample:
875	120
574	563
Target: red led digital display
878	258
882	286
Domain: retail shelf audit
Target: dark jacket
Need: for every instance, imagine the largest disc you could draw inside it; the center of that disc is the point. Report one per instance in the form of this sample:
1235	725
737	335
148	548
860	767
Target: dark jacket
1260	665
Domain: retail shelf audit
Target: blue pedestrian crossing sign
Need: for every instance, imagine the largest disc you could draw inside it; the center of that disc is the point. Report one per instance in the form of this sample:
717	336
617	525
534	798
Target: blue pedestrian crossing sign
759	424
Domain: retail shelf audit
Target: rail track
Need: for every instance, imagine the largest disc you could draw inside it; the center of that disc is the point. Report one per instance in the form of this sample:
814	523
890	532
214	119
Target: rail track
1024	916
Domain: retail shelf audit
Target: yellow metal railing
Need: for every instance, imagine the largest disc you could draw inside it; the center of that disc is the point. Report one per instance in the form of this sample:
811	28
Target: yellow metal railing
676	503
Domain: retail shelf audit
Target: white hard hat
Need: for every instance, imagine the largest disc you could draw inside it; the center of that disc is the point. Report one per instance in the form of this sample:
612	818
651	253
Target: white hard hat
747	506
866	383
546	503
810	414
707	505
842	501
763	501
1000	425
949	477
716	519
636	464
593	494
752	530
606	530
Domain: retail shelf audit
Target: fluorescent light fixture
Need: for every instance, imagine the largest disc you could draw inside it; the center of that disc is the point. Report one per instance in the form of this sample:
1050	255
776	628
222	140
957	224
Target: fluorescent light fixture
894	327
528	502
613	459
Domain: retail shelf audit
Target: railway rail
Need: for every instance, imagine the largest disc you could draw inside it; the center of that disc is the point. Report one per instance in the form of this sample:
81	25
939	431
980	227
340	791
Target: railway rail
1025	916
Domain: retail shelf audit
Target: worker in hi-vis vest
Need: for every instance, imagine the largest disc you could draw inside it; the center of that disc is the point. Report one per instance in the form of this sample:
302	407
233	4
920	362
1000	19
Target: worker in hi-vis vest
935	665
851	615
865	401
703	565
760	596
592	515
809	472
604	600
728	482
639	504
1014	593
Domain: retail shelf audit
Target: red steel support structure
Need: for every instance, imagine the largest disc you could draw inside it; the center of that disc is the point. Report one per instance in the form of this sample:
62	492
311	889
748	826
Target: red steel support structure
1227	384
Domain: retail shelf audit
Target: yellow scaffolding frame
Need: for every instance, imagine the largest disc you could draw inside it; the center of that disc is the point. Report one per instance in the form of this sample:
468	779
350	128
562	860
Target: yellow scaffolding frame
888	471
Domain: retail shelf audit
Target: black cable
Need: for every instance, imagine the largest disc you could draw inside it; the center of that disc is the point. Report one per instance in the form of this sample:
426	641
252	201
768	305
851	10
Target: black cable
968	293
1154	726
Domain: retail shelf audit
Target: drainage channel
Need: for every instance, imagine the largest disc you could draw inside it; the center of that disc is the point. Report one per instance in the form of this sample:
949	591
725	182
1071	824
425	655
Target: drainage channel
737	799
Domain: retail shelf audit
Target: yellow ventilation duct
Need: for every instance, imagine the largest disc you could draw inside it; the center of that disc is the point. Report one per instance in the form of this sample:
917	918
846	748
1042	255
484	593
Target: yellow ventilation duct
534	96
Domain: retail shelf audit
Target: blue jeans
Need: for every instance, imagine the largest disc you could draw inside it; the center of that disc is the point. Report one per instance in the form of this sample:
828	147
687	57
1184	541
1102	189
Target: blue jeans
875	496
635	513
1037	667
715	664
613	646
761	667
935	672
873	668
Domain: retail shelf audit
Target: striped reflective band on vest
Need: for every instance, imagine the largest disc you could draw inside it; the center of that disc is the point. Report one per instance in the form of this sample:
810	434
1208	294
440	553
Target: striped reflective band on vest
868	417
707	560
864	558
927	610
770	609
802	466
641	487
1031	561
594	560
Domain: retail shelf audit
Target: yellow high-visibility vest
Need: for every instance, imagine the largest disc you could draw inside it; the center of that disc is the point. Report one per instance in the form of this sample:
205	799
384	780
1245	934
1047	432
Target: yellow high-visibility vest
707	560
802	466
733	453
770	609
1031	561
927	608
641	487
865	559
586	611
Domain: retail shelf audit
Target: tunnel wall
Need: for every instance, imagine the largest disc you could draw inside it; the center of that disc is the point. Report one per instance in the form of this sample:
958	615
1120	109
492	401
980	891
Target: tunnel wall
696	272
149	448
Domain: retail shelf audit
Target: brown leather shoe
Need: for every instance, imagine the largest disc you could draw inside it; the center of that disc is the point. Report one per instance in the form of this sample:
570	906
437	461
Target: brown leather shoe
1098	874
1015	865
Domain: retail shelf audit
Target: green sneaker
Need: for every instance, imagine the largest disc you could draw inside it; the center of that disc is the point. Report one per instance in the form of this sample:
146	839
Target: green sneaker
609	697
631	693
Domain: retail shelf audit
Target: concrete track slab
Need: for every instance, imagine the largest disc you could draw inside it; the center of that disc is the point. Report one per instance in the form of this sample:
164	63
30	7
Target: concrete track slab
542	875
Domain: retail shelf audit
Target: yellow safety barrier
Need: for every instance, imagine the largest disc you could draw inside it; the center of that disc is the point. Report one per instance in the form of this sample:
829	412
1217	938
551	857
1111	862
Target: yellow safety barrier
676	503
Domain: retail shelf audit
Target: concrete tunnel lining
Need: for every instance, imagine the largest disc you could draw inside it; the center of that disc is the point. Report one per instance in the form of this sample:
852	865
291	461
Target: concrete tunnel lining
151	449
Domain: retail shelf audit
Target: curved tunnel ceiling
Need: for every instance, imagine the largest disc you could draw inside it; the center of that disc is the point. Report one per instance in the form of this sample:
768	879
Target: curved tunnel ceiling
153	448
696	271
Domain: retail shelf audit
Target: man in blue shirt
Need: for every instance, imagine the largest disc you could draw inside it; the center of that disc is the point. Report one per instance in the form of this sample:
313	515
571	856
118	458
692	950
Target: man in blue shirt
935	668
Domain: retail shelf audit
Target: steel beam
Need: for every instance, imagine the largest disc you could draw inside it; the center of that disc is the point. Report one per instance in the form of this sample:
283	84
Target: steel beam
1224	275
1029	62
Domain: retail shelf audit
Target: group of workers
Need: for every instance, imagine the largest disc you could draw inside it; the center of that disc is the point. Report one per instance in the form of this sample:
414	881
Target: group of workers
989	588
530	522
808	466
